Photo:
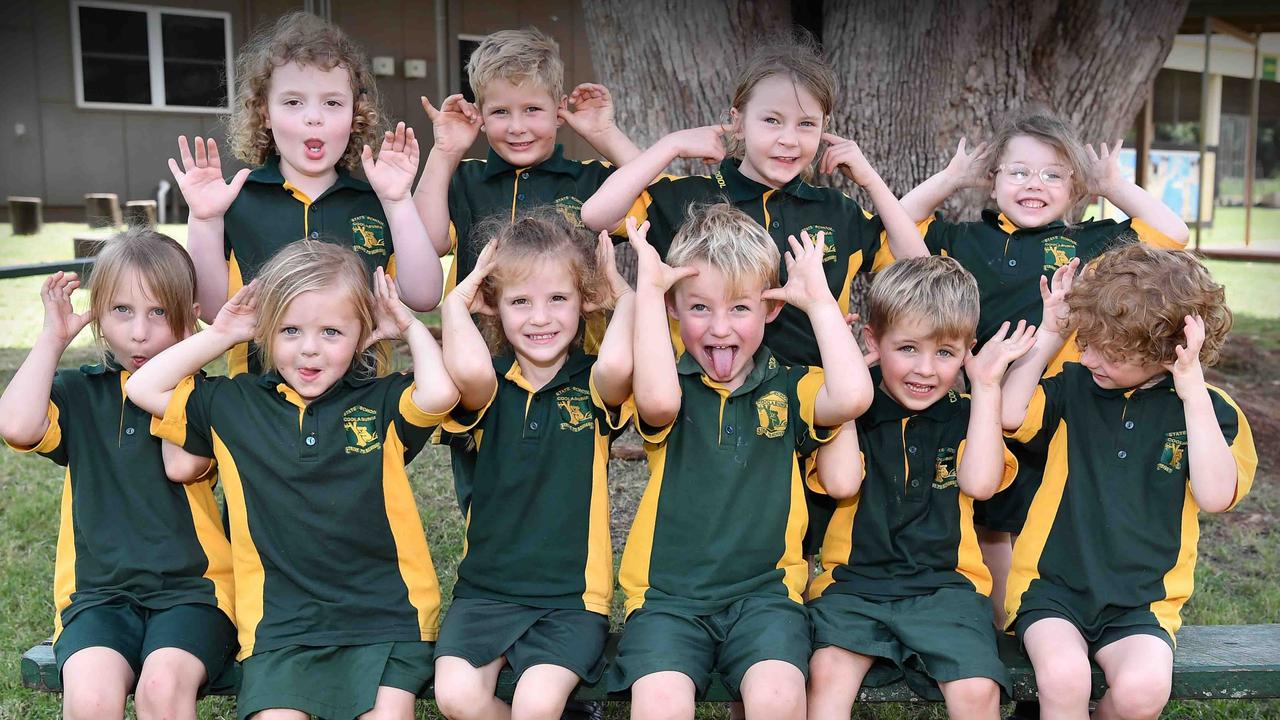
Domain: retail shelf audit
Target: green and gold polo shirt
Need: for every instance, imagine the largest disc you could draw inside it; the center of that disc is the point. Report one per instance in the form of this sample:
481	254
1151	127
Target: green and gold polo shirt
483	188
723	514
909	530
853	239
326	540
537	498
1114	524
1008	261
127	532
270	213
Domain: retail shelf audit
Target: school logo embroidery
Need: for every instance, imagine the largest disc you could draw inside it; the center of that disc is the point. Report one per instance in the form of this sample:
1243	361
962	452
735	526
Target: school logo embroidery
1058	251
1174	453
361	424
368	235
828	240
771	411
944	471
571	208
575	409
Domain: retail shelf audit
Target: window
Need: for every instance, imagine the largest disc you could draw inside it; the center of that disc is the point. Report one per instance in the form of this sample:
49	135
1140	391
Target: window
150	58
467	44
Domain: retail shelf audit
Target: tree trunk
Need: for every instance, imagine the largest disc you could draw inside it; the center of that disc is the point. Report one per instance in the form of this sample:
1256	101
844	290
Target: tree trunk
671	63
915	78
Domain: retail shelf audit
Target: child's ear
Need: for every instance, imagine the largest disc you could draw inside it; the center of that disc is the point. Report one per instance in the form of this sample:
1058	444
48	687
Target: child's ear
561	108
869	336
671	306
735	119
774	309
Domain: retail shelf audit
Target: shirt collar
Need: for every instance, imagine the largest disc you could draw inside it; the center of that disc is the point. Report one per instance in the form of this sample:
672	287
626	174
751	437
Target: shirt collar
765	366
108	365
495	165
269	174
885	409
353	378
1165	384
997	220
509	367
738	187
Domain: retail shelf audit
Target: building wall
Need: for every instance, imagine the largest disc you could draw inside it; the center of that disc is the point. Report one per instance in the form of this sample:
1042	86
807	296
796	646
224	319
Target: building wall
66	151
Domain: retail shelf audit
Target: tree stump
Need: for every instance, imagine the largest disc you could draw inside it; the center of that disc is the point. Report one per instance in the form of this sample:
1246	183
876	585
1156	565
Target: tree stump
102	210
26	214
88	244
140	212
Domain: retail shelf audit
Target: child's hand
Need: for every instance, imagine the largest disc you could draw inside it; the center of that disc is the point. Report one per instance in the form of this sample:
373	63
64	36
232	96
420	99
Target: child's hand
391	175
238	318
61	322
846	156
987	368
200	179
455	126
806	284
615	286
468	291
592	113
1054	296
1104	168
1188	375
701	142
392	318
965	170
650	270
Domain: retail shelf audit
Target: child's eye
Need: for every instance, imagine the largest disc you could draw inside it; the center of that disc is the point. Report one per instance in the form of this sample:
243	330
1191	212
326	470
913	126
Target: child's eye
559	298
330	332
333	103
158	312
520	301
772	121
289	330
499	112
292	101
698	307
741	308
533	109
1053	176
946	353
907	349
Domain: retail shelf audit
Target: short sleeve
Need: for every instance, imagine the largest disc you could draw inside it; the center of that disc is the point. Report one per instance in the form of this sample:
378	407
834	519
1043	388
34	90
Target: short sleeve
186	422
459	215
1239	437
661	206
871	236
1153	237
807	381
1044	412
1010	465
939	235
50	444
611	420
461	421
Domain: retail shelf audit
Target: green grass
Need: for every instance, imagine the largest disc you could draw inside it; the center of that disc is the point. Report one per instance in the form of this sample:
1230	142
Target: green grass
1227	230
1240	552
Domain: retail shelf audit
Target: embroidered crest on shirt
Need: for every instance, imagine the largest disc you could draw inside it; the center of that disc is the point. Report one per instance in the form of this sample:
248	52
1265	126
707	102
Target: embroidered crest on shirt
944	471
1174	454
1058	251
368	235
575	409
771	411
571	208
828	241
361	424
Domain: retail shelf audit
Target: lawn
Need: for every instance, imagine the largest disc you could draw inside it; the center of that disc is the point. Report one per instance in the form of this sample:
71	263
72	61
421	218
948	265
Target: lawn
1240	552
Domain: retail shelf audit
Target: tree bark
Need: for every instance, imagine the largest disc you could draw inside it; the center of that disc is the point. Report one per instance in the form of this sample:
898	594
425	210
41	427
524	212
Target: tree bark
916	77
671	63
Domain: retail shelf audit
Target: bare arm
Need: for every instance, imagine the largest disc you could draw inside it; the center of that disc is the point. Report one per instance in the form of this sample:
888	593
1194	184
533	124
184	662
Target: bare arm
433	390
466	355
24	406
592	119
615	361
1212	466
839	463
960	173
1132	199
455	127
1022	378
657	385
982	466
208	196
904	236
418	271
605	209
181	466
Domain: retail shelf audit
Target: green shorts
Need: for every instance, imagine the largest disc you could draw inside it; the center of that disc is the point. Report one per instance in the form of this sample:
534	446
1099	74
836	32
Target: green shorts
1099	628
1006	511
481	631
927	639
333	683
135	632
751	630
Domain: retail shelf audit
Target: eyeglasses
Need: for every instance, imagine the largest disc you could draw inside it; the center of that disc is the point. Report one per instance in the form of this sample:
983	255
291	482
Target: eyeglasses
1052	176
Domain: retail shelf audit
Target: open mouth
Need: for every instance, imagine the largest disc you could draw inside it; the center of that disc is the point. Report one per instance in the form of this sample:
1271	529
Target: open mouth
918	389
519	146
721	358
787	159
308	374
138	360
1032	204
541	338
315	148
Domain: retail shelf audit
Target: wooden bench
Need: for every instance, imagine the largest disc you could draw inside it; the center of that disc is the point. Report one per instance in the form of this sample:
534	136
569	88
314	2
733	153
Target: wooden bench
82	266
1213	662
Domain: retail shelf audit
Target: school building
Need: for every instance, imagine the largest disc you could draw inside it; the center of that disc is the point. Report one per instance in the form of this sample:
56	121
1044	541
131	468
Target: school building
97	91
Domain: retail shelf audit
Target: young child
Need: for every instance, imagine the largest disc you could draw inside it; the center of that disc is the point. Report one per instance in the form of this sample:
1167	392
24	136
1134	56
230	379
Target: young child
784	99
1036	171
336	596
142	581
712	569
535	584
903	589
305	112
1137	446
518	80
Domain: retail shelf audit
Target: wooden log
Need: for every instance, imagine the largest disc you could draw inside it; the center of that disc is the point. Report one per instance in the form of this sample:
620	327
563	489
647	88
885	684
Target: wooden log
26	214
88	244
102	210
140	212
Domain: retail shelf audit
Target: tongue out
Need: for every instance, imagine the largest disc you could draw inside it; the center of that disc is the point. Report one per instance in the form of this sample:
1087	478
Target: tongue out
721	361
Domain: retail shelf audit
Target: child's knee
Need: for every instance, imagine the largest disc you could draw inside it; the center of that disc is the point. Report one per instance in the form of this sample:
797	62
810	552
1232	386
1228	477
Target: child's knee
774	689
461	700
832	668
972	696
1139	693
93	702
1064	678
662	696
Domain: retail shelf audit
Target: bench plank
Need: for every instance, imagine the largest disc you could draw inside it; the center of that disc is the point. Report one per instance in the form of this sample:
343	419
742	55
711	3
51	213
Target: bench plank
1213	662
78	265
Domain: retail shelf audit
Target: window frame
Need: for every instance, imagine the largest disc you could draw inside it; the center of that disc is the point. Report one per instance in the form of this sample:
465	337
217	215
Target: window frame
155	57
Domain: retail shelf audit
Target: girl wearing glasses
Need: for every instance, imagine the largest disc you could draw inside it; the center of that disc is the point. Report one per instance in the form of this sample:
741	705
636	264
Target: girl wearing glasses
1037	172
